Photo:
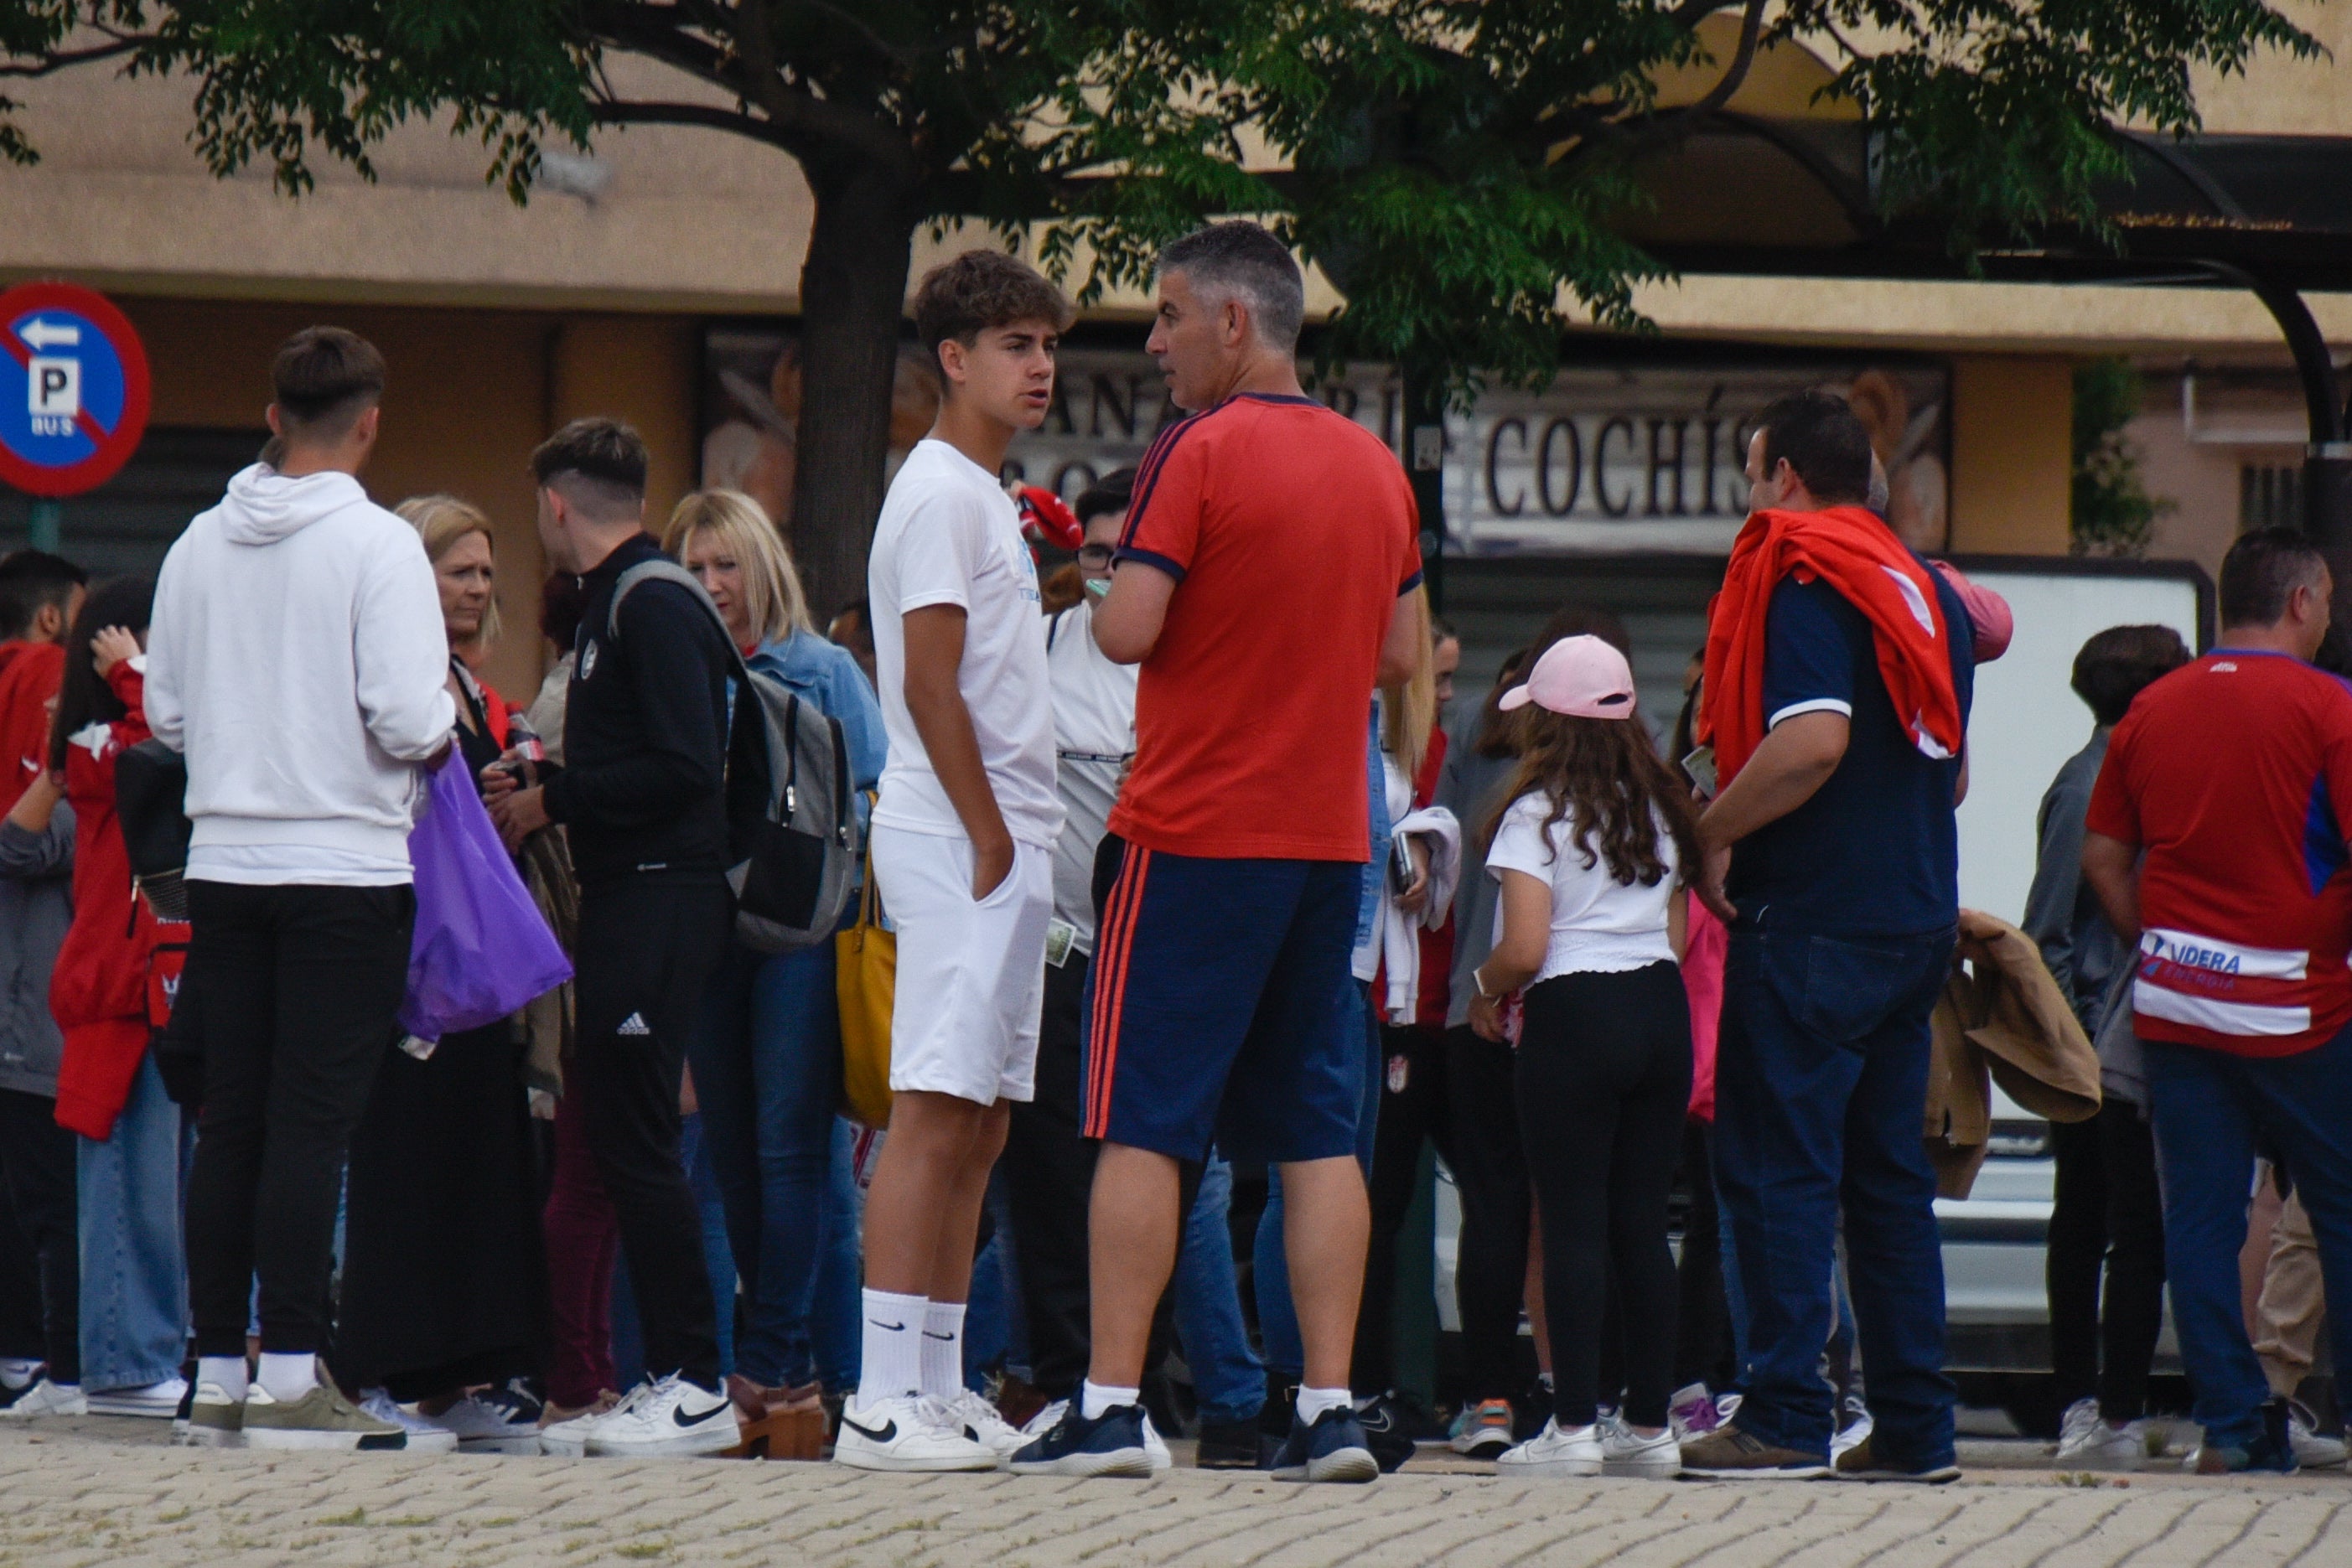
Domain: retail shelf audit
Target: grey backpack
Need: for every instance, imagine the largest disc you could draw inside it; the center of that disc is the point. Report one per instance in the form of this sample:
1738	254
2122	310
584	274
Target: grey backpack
790	824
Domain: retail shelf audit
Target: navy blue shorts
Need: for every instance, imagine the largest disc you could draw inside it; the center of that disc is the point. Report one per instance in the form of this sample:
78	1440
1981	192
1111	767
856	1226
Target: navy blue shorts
1218	1008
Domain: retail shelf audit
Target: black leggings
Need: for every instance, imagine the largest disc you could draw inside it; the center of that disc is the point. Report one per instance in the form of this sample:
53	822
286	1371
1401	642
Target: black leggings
1604	1076
2108	1218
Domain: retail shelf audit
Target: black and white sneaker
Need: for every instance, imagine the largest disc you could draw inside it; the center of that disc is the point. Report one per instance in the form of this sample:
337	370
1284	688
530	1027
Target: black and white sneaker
500	1420
1113	1444
668	1415
906	1434
1333	1448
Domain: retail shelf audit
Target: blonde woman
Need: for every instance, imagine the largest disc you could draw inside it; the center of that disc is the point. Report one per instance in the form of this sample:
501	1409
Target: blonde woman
767	1059
445	1275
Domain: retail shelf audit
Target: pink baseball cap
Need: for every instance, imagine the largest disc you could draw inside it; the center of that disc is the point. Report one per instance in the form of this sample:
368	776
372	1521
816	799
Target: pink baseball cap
1582	677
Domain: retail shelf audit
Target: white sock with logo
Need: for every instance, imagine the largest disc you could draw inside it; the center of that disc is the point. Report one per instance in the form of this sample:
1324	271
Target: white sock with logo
893	1364
1314	1402
943	1349
226	1372
1094	1401
288	1374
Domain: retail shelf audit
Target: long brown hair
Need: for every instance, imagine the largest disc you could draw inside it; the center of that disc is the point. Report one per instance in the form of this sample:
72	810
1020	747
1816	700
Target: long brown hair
1609	773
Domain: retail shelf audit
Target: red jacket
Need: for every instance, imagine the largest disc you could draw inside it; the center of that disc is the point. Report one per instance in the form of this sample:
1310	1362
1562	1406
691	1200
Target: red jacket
117	955
1856	554
30	674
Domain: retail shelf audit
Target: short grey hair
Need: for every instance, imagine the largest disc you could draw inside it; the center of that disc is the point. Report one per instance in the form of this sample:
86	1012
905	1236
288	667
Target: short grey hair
1240	258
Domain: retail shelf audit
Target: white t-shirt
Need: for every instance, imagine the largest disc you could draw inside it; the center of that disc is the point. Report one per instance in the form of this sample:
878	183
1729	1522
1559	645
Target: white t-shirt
1598	924
1094	734
949	535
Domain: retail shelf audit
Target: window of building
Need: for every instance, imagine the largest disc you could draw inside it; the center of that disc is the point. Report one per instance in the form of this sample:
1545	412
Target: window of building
2269	495
126	524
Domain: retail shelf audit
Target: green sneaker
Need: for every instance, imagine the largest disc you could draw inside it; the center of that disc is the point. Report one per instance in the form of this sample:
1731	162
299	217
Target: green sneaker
214	1420
321	1418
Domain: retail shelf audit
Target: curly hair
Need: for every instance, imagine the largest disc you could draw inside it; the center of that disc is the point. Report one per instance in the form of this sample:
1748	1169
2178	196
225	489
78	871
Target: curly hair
1609	774
962	297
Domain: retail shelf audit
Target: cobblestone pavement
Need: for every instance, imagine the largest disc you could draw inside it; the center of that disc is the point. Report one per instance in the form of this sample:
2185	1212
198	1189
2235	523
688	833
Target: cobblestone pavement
98	1491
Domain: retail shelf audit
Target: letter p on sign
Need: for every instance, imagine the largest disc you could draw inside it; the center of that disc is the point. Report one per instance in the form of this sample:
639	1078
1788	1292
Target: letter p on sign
52	387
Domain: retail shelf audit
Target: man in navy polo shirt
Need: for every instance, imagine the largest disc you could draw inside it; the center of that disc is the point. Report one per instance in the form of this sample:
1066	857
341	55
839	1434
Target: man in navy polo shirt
1842	897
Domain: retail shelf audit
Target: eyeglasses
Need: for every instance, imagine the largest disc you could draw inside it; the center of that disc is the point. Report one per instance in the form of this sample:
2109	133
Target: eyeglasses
1094	558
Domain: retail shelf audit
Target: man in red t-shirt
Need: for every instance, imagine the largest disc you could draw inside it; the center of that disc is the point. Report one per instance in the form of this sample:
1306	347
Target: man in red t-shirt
2216	842
1220	1006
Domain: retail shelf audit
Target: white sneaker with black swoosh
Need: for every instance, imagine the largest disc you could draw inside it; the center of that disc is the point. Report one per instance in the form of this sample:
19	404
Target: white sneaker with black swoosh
669	1415
905	1434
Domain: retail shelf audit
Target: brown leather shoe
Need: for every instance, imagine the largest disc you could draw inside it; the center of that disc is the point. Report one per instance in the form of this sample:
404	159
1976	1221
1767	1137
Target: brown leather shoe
1728	1453
1860	1463
756	1401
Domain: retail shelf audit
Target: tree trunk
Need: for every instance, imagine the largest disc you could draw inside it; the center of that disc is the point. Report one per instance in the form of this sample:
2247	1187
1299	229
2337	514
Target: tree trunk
853	292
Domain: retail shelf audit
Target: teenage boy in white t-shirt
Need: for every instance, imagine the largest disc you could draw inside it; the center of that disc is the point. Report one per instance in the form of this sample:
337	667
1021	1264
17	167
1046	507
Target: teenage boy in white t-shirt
963	836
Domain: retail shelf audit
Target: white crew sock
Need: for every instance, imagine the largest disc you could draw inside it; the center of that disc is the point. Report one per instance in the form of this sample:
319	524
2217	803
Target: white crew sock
288	1374
19	1371
1313	1402
943	1349
226	1372
1095	1400
893	1364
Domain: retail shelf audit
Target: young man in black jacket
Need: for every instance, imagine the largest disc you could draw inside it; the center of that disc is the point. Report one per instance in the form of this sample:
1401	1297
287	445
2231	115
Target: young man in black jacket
641	792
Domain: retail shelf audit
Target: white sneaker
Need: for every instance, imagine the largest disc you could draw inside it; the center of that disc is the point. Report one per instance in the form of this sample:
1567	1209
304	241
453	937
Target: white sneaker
1553	1452
976	1418
2087	1439
902	1434
1625	1452
1045	1420
2313	1450
498	1421
1156	1446
568	1439
156	1401
426	1436
47	1399
1858	1426
672	1416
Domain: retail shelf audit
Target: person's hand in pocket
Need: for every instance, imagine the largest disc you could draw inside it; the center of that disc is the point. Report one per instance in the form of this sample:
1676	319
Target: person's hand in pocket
991	863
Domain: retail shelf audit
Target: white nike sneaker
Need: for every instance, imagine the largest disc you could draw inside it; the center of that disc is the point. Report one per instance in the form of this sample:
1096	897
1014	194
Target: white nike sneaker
1045	1420
1855	1433
568	1439
426	1436
47	1399
155	1401
1553	1452
1157	1446
1625	1452
902	1434
2087	1439
976	1418
2313	1450
673	1417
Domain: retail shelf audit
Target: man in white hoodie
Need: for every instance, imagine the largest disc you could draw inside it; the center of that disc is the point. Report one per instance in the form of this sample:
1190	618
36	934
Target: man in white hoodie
296	658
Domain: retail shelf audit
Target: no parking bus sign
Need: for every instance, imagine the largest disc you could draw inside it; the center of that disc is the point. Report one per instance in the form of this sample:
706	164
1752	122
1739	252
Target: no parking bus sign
73	389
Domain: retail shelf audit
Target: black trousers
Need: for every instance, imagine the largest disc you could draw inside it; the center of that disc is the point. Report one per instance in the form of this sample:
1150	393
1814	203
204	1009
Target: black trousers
2107	1220
1604	1075
1490	1175
1049	1177
1412	1109
37	1158
301	985
644	952
1702	1348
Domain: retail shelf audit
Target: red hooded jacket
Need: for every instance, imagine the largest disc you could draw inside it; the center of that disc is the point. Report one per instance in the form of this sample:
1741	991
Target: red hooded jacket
1859	556
117	956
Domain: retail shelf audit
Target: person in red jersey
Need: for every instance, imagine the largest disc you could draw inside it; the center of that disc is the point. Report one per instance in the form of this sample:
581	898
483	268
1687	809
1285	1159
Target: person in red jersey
1221	1007
2215	843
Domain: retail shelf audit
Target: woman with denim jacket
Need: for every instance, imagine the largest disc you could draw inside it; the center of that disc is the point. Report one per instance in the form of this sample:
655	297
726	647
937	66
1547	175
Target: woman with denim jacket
767	1058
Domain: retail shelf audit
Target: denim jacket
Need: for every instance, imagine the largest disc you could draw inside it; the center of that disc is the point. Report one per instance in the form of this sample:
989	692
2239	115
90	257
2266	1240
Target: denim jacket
823	673
1367	905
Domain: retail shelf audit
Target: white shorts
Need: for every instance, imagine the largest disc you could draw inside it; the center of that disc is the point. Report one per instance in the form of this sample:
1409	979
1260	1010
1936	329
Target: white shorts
972	976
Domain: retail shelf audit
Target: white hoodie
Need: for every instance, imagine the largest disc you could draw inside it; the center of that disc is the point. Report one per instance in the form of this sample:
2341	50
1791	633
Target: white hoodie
297	657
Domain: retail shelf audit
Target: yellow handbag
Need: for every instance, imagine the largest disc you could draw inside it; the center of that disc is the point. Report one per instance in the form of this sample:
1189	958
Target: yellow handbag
865	977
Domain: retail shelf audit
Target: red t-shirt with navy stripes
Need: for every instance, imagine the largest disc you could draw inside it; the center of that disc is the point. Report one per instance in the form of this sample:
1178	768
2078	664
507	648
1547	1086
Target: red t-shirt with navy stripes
2234	774
1291	531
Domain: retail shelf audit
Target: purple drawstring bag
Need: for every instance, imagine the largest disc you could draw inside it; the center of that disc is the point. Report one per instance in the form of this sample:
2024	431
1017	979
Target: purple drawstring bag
481	949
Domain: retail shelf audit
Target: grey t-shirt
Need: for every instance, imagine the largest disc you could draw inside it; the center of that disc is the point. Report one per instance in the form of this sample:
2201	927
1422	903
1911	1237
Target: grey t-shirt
1471	787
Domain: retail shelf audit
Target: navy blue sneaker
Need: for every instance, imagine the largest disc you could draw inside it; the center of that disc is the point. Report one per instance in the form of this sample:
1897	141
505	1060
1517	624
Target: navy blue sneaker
1333	1450
1110	1445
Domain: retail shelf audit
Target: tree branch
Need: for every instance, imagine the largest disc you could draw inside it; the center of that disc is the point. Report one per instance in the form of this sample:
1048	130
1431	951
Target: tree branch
47	64
1751	26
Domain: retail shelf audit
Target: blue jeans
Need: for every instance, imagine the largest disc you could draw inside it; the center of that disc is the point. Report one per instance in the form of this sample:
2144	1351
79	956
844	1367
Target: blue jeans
767	1073
1820	1076
2209	1108
1227	1377
831	1338
134	1280
1278	1315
